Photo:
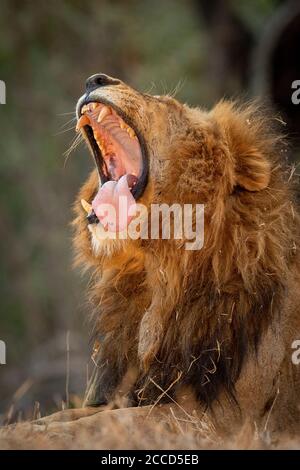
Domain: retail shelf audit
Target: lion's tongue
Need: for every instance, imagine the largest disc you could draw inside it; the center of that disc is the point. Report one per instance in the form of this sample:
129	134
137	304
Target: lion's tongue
114	205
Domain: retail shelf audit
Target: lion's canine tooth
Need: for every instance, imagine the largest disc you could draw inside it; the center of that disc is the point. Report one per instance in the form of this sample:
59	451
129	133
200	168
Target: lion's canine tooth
105	111
122	125
94	105
82	121
86	206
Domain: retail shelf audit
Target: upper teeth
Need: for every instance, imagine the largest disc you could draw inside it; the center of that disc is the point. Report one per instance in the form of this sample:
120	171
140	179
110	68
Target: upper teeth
82	121
105	111
84	109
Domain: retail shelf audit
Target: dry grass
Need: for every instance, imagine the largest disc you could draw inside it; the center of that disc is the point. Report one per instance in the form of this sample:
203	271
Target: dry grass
128	433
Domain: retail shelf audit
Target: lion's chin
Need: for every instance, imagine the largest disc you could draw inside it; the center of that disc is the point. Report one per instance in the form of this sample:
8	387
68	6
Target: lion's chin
102	241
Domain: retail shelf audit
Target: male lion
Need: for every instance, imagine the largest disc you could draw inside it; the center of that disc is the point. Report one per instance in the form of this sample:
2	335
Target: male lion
212	329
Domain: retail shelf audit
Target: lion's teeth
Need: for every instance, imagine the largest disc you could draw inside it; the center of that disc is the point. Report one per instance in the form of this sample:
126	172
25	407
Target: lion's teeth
101	147
84	109
86	206
105	111
82	121
131	133
94	105
99	141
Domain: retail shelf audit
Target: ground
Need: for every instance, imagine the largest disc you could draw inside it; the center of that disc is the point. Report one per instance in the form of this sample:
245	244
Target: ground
122	429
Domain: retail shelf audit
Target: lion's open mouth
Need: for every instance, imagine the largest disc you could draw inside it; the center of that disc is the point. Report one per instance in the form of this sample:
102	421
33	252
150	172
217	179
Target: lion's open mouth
119	157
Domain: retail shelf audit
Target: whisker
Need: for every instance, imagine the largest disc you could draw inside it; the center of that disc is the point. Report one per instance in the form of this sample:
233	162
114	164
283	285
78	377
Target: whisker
76	140
150	89
177	88
68	122
164	87
66	114
74	144
65	130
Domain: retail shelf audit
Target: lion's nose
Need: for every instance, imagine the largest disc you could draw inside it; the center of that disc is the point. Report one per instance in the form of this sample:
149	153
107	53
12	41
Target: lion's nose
99	80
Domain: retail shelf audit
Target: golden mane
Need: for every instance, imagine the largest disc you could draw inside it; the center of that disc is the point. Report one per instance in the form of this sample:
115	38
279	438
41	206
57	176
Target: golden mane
191	318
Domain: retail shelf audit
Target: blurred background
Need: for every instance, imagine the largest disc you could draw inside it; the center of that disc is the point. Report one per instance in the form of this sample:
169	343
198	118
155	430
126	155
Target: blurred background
202	50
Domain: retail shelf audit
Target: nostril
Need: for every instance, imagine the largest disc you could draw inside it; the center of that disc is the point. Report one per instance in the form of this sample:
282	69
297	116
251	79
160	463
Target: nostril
100	80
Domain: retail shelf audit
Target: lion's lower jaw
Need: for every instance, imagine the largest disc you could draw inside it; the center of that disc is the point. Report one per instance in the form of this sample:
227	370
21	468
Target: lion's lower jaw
102	242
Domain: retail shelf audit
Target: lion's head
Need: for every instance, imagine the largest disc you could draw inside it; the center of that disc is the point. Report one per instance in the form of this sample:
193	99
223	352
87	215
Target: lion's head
165	309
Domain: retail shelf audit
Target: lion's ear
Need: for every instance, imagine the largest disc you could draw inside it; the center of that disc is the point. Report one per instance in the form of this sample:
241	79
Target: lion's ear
252	170
249	143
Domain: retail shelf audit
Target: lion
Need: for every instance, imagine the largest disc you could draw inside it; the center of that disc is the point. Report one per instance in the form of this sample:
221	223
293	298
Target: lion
206	332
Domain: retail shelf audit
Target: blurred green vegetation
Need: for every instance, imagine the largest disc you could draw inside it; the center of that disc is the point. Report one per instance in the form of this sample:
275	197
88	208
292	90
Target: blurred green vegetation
47	50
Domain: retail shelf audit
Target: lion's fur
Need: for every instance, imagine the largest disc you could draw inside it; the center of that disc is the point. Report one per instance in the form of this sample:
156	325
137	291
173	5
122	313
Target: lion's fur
215	324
